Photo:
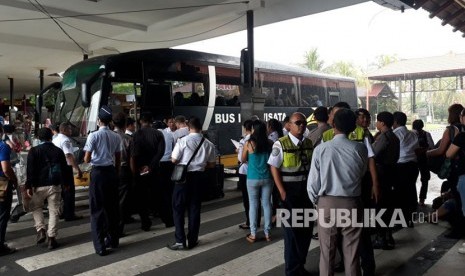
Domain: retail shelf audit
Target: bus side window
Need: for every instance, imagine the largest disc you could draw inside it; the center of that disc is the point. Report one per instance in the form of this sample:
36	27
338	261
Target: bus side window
188	93
227	95
179	99
313	94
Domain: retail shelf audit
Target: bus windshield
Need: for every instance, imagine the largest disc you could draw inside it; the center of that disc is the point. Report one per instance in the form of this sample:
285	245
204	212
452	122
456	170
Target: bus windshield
68	106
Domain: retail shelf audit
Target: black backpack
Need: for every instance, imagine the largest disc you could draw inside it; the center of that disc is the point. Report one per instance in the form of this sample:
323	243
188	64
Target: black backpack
422	140
51	173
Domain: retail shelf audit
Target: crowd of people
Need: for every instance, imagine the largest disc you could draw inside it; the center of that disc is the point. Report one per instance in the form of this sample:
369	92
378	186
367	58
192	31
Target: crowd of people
334	164
338	164
131	174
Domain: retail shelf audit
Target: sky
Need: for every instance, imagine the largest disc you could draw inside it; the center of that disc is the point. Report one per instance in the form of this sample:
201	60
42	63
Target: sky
355	34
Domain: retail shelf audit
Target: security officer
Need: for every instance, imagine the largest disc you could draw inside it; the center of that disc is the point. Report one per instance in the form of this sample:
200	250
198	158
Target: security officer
188	195
101	147
357	135
290	164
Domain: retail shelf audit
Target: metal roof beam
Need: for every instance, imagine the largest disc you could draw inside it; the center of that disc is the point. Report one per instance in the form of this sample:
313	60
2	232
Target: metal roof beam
453	16
441	8
459	26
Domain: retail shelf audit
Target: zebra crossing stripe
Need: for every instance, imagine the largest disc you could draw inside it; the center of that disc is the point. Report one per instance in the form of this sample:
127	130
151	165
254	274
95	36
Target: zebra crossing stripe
163	256
254	263
27	241
74	252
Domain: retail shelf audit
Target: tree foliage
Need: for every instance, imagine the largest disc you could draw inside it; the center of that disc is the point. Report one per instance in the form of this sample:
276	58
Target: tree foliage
383	60
313	61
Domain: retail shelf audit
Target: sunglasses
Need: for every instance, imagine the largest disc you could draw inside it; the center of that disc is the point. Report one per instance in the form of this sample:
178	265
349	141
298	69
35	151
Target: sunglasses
299	123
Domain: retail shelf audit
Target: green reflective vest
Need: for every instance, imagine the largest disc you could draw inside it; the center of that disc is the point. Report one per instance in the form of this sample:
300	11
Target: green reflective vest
357	135
296	160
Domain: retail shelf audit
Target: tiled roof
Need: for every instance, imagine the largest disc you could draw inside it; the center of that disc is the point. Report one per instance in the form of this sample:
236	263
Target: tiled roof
440	66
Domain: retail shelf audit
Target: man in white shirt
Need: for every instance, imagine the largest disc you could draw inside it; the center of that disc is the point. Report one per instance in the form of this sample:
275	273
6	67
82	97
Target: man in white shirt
188	195
407	167
63	142
181	128
171	125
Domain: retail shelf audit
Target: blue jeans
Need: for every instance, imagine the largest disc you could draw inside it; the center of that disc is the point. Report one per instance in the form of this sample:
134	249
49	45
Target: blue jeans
461	190
259	189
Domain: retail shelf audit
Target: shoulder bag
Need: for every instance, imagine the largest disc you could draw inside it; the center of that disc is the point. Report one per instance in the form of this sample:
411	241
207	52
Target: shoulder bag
435	163
180	170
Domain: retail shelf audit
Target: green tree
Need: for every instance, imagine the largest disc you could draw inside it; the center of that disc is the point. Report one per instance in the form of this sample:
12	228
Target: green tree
313	61
343	68
383	60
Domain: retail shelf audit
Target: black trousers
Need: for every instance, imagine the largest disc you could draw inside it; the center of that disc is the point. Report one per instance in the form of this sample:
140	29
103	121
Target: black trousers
125	189
405	188
188	197
5	208
68	194
143	197
164	192
103	198
425	176
296	240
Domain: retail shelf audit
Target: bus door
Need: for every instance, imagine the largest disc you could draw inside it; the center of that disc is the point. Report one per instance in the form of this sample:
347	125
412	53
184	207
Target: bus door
333	92
156	99
333	98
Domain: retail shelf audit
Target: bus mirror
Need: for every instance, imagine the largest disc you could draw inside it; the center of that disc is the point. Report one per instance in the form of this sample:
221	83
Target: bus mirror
85	94
245	67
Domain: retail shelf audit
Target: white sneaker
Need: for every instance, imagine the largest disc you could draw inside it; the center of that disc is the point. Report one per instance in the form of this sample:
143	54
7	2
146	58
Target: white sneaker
463	244
462	250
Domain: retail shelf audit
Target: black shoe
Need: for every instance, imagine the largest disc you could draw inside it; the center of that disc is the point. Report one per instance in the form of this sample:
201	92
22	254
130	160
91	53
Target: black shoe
303	272
41	236
453	235
191	245
410	224
339	267
145	226
176	246
379	243
6	250
102	252
109	244
14	218
390	242
52	243
315	236
73	218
